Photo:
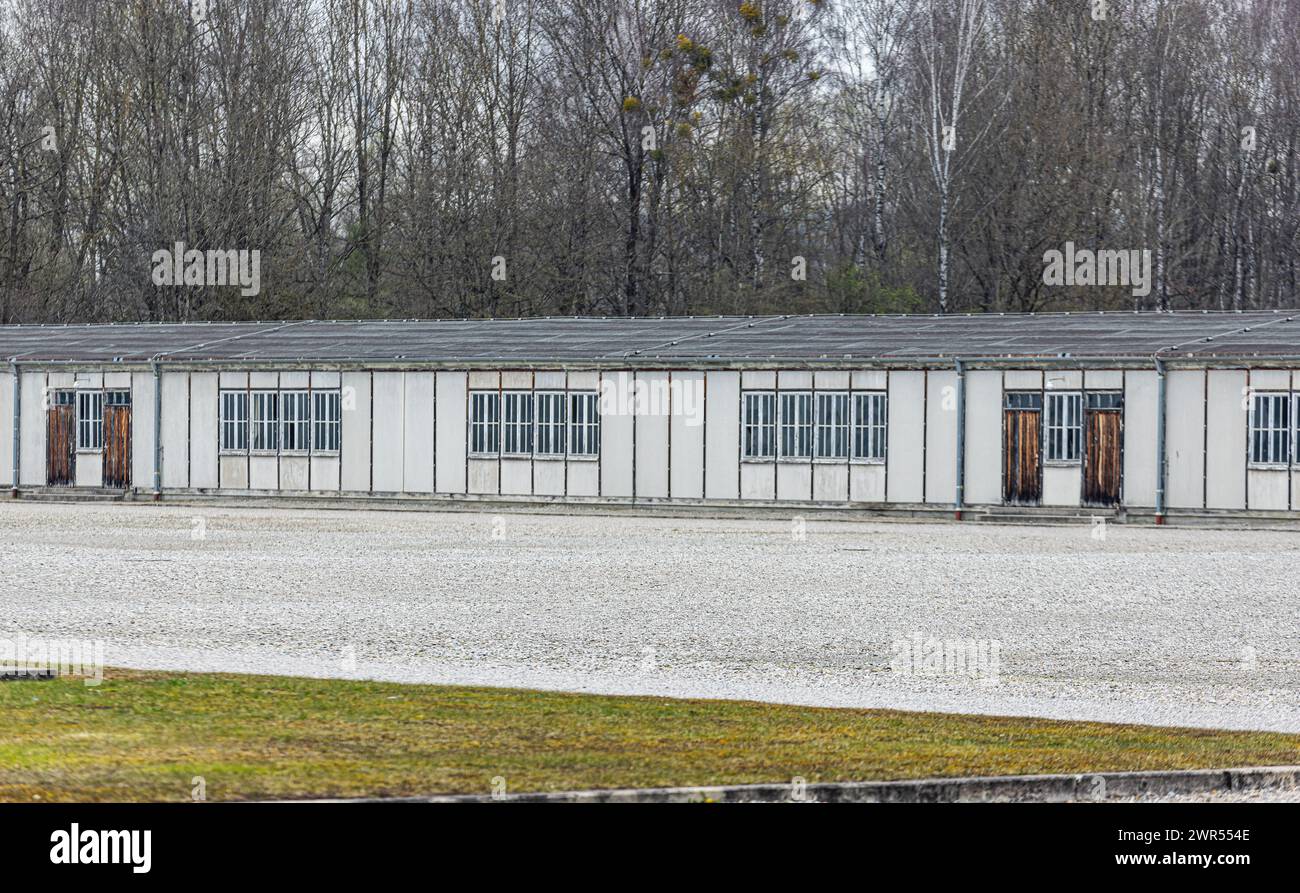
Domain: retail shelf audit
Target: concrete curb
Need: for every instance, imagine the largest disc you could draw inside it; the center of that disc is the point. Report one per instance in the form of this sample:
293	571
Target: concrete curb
1097	787
653	508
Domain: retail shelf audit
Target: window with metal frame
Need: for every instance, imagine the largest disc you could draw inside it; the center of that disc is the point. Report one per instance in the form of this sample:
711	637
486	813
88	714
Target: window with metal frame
90	420
796	425
117	398
1064	426
832	425
295	421
265	421
1024	400
869	427
759	431
63	398
584	424
1270	429
234	421
484	423
1105	400
517	423
327	421
551	421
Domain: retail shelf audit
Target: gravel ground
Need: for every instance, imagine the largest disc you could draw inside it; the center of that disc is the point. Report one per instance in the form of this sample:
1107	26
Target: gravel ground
1166	626
1275	795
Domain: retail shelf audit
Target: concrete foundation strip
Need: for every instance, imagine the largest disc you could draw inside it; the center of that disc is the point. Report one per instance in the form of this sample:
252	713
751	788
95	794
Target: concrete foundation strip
1096	787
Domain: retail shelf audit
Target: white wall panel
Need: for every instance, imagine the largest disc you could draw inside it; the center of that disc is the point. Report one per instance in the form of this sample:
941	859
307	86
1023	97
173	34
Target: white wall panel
1103	379
90	468
294	473
983	437
1225	460
722	436
830	482
584	380
794	481
176	429
354	452
1140	439
758	381
941	428
652	438
687	424
6	429
1270	379
263	473
758	480
1269	489
548	477
584	478
1185	438
516	477
1062	380
483	475
831	381
388	431
516	380
450	409
325	473
203	433
142	430
906	435
1062	484
32	448
868	380
418	430
867	483
1024	380
234	472
616	427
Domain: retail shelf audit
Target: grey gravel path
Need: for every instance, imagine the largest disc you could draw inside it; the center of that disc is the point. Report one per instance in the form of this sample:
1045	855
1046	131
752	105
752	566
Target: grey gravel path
1169	626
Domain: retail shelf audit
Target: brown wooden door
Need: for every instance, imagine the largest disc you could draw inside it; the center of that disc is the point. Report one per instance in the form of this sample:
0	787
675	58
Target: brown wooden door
1022	479
117	446
61	446
1102	457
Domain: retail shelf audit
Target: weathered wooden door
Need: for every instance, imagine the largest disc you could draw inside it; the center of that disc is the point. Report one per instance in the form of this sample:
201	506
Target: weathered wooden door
117	446
1022	478
1102	457
61	442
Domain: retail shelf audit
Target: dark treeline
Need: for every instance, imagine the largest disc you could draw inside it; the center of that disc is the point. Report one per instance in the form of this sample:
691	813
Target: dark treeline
531	157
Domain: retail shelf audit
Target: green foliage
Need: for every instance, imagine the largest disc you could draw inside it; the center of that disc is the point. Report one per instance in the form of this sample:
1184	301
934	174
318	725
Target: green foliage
851	290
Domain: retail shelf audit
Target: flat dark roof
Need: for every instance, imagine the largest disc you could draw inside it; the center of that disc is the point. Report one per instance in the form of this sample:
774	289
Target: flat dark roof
690	340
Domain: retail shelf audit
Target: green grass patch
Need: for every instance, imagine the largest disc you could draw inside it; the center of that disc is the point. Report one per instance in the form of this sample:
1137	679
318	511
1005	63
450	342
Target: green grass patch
147	735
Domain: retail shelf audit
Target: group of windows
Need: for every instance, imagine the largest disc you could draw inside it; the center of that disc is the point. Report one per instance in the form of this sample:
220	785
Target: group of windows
90	413
1273	437
528	423
807	425
271	421
1063	425
784	425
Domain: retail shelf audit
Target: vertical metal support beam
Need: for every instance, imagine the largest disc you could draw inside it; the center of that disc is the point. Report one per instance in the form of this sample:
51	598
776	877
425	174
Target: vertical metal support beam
1160	440
960	500
157	431
18	421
